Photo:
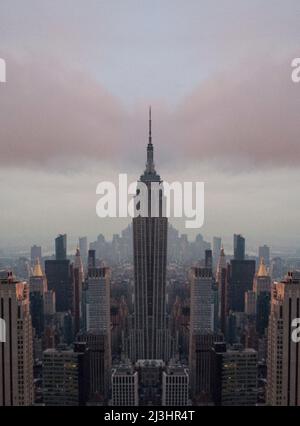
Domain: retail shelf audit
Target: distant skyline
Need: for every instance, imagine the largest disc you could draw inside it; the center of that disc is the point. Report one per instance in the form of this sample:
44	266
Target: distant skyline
80	77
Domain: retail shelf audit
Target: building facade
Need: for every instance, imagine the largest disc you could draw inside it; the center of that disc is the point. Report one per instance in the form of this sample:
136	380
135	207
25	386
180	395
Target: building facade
16	353
175	386
150	335
65	377
234	378
283	361
124	384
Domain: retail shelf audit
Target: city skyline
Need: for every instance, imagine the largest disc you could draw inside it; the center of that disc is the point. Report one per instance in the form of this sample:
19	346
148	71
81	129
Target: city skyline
150	319
149	221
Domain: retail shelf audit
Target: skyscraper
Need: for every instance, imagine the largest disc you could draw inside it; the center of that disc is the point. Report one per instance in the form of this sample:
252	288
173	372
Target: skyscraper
35	253
124	386
175	386
49	303
201	328
240	276
98	300
277	268
200	364
239	247
150	335
99	364
98	327
60	279
264	252
262	280
59	275
262	289
221	279
283	361
16	354
234	378
250	303
61	247
65	376
83	248
216	248
77	296
38	288
201	301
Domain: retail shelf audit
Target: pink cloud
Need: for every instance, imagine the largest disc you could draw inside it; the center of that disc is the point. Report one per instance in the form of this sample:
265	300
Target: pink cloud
52	115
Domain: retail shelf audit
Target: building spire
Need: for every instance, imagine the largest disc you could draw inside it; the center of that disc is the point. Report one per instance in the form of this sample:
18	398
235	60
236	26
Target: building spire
262	270
150	126
150	163
150	173
37	270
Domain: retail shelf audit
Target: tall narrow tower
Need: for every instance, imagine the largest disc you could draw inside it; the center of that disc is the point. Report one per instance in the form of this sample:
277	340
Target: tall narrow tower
150	338
16	353
221	278
77	293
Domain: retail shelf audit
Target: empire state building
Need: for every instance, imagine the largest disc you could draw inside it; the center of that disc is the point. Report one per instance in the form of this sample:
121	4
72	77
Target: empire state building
150	337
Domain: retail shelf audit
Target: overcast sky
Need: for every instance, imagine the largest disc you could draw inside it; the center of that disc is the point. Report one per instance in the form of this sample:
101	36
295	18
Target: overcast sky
80	77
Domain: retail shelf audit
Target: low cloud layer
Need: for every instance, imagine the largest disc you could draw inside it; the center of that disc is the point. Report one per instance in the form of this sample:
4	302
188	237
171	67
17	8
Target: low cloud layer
250	115
80	77
54	115
51	113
